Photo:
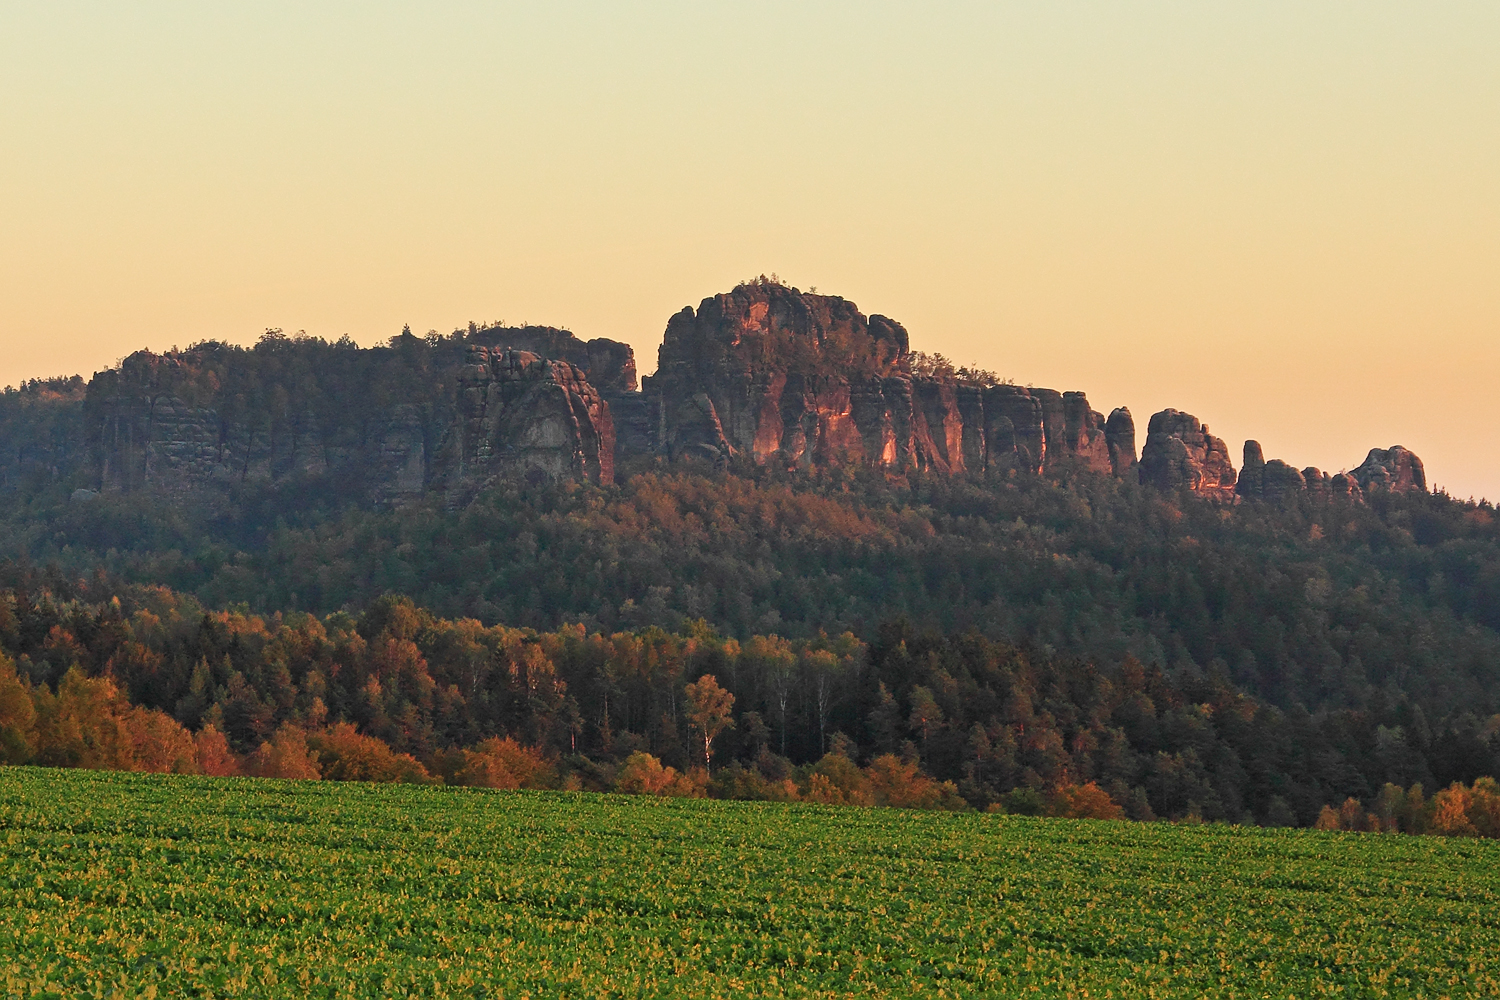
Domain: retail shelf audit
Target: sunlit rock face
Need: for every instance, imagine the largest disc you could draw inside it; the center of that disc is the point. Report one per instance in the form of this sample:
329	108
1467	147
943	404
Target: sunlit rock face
777	376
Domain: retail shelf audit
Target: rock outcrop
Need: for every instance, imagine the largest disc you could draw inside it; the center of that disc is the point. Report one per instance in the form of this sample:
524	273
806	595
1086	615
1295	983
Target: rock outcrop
524	416
776	376
1119	435
608	365
393	423
1274	481
1180	453
1393	468
763	374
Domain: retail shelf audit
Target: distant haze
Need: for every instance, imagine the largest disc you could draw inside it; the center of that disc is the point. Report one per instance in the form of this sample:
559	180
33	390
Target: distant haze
1284	218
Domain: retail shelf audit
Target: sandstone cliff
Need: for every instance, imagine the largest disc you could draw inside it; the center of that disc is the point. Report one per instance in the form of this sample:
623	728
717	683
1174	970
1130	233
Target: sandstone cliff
521	415
763	373
779	376
608	365
1180	453
1274	480
1392	468
388	422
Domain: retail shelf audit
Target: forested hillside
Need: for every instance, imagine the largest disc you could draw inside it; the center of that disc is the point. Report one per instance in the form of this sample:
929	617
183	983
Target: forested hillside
1317	602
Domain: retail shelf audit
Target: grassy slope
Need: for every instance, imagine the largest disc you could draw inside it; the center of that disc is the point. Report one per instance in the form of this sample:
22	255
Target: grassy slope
236	887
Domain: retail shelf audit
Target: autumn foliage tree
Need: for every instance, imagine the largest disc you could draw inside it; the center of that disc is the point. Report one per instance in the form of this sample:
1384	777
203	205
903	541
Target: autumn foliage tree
709	708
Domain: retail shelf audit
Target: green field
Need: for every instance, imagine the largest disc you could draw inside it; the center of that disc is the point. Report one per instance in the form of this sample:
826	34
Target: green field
140	885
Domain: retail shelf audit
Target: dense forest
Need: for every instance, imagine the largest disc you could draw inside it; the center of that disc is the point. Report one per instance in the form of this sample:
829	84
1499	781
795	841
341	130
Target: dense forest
955	720
1317	603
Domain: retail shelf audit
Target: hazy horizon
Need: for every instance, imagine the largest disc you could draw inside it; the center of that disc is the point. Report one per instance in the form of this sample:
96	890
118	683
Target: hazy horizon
1283	220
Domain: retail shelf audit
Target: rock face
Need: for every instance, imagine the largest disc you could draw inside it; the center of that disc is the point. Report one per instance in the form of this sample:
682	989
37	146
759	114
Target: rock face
521	415
1275	481
391	422
608	365
776	376
1392	468
1180	453
1119	435
763	373
150	427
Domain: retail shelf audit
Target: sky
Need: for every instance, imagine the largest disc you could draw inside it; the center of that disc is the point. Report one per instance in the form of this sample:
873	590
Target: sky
1281	217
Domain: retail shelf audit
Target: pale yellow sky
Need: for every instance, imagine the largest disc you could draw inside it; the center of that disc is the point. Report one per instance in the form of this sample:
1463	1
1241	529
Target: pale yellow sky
1283	217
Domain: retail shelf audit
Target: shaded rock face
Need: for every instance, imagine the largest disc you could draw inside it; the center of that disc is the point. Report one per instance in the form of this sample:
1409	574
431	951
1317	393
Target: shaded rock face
1274	481
163	422
1180	453
1119	437
1319	486
1392	468
519	415
160	422
800	380
153	424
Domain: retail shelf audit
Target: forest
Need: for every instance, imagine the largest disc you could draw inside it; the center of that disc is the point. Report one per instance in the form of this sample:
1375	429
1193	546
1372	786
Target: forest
1311	602
104	674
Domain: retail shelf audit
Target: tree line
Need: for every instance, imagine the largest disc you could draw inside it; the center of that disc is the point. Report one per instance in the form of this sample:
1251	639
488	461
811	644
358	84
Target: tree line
100	673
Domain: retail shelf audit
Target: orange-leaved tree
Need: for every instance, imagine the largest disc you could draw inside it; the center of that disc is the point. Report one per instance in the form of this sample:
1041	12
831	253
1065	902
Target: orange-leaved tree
285	755
505	763
708	712
1086	801
345	754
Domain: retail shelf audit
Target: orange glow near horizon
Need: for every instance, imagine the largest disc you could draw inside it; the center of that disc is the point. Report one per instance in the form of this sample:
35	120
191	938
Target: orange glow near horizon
1283	219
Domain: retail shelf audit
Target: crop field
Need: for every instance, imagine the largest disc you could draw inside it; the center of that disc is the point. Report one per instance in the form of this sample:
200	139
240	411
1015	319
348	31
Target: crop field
142	885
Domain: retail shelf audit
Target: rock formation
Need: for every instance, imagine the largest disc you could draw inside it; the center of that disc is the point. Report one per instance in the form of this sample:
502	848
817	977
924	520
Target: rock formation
1180	453
375	420
1392	468
521	415
763	373
778	376
1275	481
1119	435
608	365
